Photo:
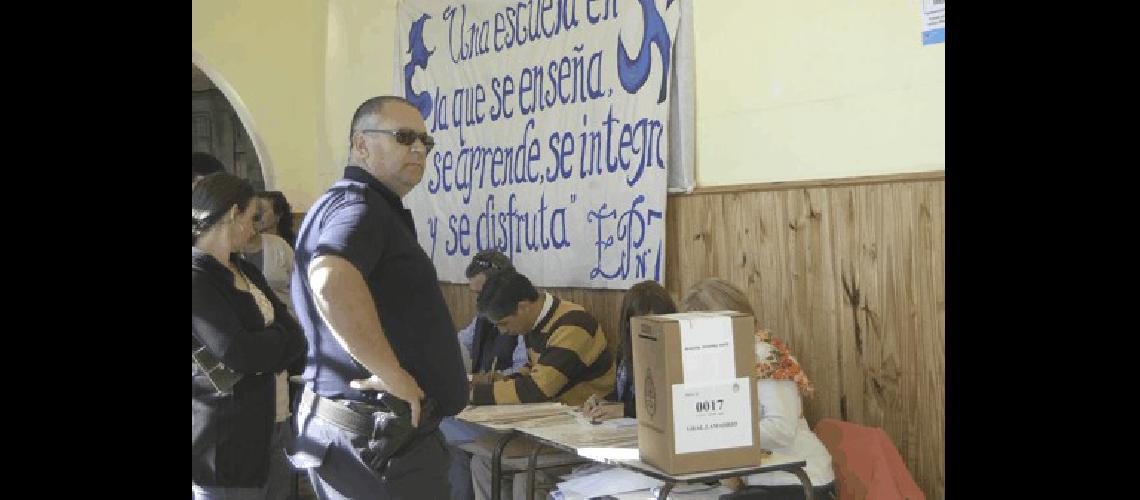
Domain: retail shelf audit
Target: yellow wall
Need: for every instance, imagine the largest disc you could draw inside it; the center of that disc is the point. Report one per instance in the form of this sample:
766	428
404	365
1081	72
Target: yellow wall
785	90
359	56
271	53
810	89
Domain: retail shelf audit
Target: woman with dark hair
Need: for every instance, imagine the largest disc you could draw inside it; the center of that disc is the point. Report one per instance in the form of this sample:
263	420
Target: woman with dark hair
203	164
647	297
243	341
279	216
271	253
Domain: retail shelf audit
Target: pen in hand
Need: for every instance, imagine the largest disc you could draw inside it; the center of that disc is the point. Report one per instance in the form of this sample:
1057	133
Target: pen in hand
587	409
598	410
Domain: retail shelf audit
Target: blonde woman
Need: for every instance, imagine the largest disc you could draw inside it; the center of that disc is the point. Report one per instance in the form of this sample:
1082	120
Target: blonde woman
781	383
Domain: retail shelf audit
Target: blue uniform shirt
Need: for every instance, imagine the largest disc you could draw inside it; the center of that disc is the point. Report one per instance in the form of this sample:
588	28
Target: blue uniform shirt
364	222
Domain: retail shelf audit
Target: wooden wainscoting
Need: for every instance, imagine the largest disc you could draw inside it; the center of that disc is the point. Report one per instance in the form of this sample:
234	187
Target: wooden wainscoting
849	272
851	275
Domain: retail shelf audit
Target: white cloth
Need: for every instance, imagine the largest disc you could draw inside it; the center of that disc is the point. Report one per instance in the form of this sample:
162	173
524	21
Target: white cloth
277	266
784	430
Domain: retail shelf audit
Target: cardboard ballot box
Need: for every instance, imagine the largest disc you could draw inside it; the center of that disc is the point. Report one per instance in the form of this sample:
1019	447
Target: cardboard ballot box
694	377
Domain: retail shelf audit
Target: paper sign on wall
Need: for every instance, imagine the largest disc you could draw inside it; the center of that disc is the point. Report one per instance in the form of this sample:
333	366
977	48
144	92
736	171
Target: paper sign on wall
707	352
712	416
933	21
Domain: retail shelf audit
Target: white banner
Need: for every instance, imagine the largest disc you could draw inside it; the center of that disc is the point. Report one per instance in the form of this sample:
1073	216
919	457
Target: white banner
550	124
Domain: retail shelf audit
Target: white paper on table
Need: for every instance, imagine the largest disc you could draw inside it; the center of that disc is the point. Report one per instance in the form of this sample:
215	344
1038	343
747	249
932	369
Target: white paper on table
603	454
712	416
615	423
707	352
607	482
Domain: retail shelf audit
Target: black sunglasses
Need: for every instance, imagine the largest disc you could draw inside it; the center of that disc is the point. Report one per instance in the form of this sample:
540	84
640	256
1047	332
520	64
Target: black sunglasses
407	136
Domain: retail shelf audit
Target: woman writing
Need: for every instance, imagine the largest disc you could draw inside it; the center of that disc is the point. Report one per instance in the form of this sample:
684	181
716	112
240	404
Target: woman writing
647	297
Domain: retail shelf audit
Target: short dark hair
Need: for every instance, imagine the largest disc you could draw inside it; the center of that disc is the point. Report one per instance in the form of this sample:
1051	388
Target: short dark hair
502	293
373	106
203	164
487	260
213	196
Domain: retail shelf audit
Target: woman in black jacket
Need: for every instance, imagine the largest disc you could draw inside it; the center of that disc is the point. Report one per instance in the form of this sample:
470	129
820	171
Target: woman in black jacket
241	331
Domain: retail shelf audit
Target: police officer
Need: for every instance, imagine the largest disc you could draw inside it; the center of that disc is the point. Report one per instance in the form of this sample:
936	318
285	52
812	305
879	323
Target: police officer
369	302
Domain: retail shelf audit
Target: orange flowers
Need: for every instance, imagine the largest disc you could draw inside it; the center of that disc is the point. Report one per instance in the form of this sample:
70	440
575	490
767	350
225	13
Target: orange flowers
775	361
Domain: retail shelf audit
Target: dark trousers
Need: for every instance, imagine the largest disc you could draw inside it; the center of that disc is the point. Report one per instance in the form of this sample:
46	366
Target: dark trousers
790	492
418	472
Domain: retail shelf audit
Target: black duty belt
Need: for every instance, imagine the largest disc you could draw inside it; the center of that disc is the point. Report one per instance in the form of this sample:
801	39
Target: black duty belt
352	420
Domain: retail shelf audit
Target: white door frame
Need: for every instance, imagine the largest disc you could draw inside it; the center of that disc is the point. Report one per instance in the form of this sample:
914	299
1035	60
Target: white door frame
244	115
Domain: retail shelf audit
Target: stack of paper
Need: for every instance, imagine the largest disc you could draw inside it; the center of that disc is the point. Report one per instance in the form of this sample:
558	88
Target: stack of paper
580	436
511	416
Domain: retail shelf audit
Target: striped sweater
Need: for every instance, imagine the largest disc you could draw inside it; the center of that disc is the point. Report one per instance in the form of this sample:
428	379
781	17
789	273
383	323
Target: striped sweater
569	360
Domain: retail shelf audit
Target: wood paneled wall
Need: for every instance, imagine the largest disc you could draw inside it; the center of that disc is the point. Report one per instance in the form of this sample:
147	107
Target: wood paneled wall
850	273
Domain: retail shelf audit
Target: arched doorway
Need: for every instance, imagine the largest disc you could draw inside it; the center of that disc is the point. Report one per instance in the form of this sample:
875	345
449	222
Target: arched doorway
221	127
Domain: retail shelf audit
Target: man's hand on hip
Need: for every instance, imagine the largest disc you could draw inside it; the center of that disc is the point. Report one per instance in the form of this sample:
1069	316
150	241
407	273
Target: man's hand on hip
403	387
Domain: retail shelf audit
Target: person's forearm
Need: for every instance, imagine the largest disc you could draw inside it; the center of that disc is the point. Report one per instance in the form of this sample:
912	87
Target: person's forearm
345	303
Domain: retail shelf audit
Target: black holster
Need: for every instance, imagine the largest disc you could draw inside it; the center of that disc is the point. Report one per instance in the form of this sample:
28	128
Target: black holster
392	431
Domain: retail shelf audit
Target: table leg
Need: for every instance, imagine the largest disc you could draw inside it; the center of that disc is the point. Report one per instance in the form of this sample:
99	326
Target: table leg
530	471
805	481
497	464
666	488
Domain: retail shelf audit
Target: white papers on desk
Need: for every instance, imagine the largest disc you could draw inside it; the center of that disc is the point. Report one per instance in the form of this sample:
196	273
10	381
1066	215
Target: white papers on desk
607	482
603	454
510	416
612	423
597	480
579	436
615	423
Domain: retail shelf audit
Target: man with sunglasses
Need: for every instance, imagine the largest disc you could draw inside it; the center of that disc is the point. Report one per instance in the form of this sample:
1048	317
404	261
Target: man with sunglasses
368	299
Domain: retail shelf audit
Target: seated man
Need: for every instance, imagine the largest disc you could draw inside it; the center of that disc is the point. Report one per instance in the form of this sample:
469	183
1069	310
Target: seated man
486	352
486	348
569	359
